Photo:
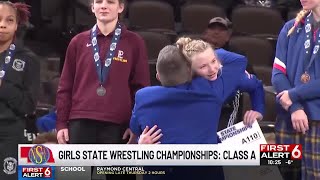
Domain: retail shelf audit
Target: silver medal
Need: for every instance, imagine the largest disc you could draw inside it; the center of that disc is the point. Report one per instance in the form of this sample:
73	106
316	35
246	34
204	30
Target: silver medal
101	91
2	73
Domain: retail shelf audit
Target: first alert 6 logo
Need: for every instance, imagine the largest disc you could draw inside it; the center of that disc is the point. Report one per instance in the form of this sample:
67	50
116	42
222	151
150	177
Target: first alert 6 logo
36	172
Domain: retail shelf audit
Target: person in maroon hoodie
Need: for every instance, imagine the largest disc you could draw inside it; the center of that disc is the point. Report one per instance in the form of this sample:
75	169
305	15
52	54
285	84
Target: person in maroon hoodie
103	69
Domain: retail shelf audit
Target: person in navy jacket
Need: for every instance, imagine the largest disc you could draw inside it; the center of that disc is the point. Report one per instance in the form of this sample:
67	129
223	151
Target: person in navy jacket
19	85
296	79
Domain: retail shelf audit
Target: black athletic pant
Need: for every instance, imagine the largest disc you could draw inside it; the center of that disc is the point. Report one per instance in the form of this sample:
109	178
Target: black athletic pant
89	131
11	134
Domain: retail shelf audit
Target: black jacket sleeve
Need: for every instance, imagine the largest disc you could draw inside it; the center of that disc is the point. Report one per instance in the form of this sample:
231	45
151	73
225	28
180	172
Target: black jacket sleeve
23	99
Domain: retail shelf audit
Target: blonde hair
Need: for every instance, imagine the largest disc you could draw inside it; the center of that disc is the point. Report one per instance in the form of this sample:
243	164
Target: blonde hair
301	14
190	47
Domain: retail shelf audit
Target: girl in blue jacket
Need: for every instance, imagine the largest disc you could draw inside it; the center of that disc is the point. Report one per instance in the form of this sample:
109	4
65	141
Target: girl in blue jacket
196	50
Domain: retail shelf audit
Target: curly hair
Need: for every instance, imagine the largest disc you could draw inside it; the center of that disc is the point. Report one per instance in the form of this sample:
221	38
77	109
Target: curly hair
191	47
21	9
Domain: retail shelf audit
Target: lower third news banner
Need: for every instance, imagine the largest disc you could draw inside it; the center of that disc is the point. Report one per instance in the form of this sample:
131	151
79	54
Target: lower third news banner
138	155
281	154
74	161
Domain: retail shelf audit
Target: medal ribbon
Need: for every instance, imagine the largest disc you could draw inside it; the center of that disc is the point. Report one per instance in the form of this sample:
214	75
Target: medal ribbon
312	41
104	70
7	60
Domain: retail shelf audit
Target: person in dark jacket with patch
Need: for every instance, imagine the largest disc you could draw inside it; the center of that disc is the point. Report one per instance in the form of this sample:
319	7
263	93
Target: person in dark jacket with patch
19	85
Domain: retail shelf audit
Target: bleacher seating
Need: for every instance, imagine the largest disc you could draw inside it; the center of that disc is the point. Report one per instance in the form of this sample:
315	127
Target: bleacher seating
260	54
250	20
155	42
151	15
152	67
195	17
292	14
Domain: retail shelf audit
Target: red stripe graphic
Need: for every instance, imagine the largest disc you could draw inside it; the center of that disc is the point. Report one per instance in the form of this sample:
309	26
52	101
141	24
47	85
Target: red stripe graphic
280	68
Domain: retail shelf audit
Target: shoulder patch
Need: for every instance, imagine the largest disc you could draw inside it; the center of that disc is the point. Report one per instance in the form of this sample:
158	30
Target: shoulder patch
18	65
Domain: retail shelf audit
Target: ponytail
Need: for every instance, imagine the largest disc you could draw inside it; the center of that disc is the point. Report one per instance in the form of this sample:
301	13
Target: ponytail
298	19
23	13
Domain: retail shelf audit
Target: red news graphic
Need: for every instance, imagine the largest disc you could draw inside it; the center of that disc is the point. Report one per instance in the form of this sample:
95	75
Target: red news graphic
280	154
40	158
38	154
36	172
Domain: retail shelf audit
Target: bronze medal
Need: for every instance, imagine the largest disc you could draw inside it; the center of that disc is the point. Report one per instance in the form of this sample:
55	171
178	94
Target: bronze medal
305	77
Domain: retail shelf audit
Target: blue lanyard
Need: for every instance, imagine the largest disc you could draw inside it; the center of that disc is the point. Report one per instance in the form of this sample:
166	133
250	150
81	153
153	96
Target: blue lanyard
104	70
311	45
7	60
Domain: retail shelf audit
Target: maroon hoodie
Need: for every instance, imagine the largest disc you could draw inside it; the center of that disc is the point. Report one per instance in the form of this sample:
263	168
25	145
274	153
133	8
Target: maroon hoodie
129	71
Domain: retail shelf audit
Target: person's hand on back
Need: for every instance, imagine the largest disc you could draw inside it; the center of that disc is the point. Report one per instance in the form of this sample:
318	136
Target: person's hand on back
150	136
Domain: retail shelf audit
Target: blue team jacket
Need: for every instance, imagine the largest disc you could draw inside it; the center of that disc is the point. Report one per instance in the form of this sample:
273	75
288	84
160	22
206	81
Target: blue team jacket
287	70
252	86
